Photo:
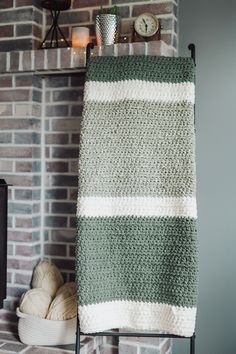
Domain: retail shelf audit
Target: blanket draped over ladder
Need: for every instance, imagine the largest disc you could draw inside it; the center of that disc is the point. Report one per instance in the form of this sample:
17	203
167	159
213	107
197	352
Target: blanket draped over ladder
136	254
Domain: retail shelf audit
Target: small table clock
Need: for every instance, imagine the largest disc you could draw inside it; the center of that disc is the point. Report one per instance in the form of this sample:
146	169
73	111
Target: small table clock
147	26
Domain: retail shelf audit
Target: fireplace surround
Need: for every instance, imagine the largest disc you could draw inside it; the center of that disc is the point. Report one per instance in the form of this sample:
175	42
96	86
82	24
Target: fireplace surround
40	112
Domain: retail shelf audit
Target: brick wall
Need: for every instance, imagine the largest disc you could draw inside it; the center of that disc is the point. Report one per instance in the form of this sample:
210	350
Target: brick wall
130	345
21	24
83	13
20	165
63	108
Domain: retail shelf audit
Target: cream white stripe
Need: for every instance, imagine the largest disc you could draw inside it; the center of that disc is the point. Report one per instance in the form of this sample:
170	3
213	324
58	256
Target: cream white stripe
137	315
139	90
137	206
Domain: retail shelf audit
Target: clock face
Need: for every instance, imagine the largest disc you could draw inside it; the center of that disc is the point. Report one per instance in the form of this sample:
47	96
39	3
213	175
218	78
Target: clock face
146	25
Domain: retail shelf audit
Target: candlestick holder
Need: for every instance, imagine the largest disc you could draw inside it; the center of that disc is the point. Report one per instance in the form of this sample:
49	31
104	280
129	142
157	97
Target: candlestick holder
54	37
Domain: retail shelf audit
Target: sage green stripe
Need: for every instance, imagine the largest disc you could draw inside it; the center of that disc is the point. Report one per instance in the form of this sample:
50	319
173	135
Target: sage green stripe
148	68
137	259
137	148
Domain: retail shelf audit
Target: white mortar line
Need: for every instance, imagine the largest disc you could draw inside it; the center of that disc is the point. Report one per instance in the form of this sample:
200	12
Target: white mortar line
43	174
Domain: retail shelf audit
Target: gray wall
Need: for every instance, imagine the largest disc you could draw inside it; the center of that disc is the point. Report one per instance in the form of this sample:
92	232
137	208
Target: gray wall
211	25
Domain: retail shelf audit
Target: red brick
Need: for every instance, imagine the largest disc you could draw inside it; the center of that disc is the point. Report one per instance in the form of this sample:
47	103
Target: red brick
9	317
24	30
58	166
23	3
18	180
39	59
9	277
16	151
63	235
56	221
36	208
6	31
72	251
65	180
78	80
57	138
160	8
17	124
15	292
58	81
69	17
4	4
65	125
56	193
51	249
27	60
23	279
5	110
124	12
23	166
76	111
26	264
9	221
6	166
23	223
75	139
86	3
51	55
67	264
37	31
73	194
14	61
65	152
73	222
167	37
10	250
65	57
3	62
5	81
27	251
64	208
24	80
68	95
14	95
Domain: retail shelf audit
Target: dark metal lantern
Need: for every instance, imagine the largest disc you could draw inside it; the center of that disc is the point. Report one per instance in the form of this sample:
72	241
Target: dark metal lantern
55	35
57	5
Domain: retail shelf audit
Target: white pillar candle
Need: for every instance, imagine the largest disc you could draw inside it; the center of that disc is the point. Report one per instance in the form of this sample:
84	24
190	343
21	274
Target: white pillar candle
80	37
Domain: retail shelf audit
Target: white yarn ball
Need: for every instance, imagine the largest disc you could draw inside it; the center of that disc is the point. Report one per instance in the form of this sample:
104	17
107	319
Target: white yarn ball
35	302
47	276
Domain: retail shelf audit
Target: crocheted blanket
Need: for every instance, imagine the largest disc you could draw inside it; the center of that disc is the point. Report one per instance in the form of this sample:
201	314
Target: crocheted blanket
136	257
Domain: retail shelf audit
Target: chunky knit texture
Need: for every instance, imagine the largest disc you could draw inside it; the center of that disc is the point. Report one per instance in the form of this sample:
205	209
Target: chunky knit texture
136	251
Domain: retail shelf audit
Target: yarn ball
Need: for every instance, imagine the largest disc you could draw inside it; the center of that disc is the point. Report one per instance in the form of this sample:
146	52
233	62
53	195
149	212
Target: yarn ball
64	306
67	289
47	276
35	302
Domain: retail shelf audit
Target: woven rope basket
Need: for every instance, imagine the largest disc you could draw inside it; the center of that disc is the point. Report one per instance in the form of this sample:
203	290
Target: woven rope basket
37	331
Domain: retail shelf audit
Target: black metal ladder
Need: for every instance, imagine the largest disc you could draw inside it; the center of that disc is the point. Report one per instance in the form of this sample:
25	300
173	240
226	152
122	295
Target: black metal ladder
191	339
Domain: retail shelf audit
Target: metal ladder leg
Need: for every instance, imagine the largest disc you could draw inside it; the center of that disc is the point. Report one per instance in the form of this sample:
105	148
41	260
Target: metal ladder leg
192	344
77	345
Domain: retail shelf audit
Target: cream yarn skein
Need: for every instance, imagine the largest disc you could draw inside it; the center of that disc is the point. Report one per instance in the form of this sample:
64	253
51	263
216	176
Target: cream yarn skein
47	276
35	302
64	306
